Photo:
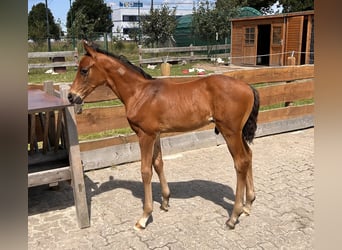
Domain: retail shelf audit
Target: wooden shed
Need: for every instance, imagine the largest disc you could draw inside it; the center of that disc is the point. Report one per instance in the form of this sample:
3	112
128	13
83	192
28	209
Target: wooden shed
270	40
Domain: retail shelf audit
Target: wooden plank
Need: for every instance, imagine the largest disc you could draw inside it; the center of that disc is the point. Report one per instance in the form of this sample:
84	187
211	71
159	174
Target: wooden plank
294	33
174	59
123	139
281	126
123	153
285	113
48	176
273	74
286	92
95	120
51	54
264	117
52	65
76	169
39	86
32	132
100	119
185	49
101	93
106	142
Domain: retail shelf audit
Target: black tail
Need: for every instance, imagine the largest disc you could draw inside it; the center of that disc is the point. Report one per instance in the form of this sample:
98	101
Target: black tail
250	127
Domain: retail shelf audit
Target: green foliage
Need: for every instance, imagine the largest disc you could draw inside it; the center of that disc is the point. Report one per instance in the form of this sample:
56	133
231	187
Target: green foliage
119	45
88	17
264	6
209	20
159	26
295	5
37	25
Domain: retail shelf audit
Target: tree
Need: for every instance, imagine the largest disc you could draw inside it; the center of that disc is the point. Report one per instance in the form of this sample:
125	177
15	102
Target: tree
86	17
37	25
264	6
159	25
210	21
295	5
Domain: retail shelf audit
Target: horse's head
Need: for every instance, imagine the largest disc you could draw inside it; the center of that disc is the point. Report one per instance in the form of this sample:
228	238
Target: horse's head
89	75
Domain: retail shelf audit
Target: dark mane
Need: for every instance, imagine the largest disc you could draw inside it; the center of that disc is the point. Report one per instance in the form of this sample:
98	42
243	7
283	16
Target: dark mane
124	60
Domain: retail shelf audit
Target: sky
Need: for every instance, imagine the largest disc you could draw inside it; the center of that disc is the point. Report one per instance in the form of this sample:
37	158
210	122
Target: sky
60	8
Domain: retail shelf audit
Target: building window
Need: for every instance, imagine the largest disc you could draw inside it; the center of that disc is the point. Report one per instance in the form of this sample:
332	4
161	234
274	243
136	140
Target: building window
249	36
127	18
276	38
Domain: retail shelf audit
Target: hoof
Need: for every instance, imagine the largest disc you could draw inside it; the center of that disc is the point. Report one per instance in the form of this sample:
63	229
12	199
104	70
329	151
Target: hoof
138	227
246	211
230	225
164	208
143	221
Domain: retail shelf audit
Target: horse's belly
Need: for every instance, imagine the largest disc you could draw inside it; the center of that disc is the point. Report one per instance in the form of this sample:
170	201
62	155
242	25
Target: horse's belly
182	124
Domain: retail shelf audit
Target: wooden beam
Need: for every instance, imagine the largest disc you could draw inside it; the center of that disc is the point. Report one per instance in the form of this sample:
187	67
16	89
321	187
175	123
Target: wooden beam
49	176
273	74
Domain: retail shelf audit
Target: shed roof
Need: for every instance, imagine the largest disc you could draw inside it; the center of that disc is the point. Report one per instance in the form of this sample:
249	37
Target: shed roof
301	13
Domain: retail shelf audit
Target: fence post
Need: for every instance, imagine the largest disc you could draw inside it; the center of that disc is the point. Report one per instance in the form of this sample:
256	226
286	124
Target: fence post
191	52
64	90
76	56
48	87
140	54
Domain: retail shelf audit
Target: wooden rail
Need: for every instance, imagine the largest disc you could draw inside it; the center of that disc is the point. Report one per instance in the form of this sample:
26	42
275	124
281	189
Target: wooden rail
286	85
69	59
187	53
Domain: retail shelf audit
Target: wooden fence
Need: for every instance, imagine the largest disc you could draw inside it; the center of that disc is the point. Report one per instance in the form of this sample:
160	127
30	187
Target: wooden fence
283	91
183	53
53	59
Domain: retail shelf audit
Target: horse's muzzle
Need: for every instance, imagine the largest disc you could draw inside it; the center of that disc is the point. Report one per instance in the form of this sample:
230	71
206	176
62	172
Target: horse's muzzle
75	99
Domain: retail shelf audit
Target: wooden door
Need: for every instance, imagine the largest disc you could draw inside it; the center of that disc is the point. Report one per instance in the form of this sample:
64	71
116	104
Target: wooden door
294	35
250	45
277	45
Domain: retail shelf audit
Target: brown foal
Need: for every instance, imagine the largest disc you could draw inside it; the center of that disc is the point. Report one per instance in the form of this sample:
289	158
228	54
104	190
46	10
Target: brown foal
155	106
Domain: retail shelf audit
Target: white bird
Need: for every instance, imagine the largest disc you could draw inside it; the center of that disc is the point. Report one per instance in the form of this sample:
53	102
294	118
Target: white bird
151	66
219	60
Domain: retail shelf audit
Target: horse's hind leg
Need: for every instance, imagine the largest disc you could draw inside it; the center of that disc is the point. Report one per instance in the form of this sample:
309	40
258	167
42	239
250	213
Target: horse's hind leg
250	193
158	165
242	162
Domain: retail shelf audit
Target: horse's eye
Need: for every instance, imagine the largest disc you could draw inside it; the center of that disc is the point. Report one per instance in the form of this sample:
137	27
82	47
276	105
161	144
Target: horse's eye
84	72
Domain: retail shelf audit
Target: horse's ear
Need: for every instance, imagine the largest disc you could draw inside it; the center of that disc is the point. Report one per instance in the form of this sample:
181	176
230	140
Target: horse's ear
89	49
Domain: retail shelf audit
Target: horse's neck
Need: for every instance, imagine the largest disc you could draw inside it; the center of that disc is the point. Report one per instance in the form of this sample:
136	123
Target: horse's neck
125	83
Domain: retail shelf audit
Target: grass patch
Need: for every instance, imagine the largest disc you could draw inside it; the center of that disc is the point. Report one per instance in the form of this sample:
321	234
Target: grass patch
106	133
282	105
39	76
175	70
102	104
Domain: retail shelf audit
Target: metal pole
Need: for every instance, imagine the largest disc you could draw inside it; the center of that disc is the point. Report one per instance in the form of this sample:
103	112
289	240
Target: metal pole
72	31
47	26
139	21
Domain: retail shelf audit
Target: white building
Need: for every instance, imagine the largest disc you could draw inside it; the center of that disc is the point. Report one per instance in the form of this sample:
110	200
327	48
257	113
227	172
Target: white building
125	13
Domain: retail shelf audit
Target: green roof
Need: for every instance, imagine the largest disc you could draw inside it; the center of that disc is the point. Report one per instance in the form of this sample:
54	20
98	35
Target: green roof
249	11
184	36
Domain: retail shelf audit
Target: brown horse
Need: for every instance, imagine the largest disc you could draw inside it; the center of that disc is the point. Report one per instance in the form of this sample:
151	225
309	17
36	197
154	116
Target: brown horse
155	106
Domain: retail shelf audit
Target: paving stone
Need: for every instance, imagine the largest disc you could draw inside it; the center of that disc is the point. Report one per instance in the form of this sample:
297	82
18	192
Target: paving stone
202	184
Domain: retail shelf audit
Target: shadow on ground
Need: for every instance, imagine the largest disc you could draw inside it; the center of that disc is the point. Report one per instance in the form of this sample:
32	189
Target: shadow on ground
42	198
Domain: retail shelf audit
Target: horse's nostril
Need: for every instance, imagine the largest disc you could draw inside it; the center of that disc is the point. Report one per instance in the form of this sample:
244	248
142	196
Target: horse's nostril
70	97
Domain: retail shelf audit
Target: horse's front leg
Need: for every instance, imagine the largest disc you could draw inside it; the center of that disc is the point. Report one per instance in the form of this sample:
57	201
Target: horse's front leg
146	143
159	168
